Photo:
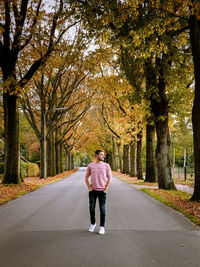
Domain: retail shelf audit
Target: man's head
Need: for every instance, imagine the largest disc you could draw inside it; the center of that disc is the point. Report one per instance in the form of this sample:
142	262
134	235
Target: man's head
99	154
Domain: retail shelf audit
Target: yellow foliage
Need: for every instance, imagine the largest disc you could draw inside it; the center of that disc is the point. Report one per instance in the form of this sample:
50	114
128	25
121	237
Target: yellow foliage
32	169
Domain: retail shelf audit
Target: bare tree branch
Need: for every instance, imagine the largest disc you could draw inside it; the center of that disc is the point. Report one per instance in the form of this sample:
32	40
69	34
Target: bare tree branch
19	27
27	41
15	9
112	131
6	33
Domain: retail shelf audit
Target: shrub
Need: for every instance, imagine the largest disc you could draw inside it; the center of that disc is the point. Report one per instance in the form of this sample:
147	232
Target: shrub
32	169
23	169
26	169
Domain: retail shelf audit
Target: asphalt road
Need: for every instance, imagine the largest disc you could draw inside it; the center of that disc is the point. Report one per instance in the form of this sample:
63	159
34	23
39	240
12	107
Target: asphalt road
49	228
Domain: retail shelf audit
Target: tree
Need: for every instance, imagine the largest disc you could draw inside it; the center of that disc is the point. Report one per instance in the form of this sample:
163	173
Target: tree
56	101
179	17
22	23
120	114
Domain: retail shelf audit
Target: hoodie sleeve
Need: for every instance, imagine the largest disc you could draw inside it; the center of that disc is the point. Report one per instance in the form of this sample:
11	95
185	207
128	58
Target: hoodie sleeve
109	173
88	173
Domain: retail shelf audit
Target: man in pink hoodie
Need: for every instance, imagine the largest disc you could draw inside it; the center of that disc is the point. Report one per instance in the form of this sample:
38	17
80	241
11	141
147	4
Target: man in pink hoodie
101	177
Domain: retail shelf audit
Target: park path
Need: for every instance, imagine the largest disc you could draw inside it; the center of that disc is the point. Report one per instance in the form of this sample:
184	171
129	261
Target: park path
49	228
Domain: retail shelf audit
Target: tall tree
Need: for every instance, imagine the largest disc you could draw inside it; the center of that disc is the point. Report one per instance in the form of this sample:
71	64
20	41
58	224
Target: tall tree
21	25
53	105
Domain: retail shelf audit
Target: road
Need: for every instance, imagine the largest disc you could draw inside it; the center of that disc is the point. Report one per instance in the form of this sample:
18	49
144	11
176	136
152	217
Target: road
49	228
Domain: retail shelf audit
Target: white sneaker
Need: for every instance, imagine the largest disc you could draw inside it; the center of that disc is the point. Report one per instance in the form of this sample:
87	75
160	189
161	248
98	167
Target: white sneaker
101	230
92	226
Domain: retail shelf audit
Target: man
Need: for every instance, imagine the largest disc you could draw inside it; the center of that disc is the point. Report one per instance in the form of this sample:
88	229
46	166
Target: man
101	176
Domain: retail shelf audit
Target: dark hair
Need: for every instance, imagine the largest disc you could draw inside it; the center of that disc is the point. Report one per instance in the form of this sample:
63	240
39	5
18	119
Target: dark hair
98	151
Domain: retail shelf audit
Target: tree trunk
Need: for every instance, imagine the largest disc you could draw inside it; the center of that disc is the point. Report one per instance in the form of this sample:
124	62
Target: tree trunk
61	155
42	159
49	157
109	159
120	156
163	155
126	159
57	152
139	155
160	110
43	153
11	126
114	163
150	154
151	88
53	155
51	166
194	23
132	159
66	160
72	162
69	161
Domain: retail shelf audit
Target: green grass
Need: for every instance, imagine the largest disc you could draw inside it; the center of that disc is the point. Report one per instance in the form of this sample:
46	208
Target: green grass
144	183
172	205
21	193
5	200
53	181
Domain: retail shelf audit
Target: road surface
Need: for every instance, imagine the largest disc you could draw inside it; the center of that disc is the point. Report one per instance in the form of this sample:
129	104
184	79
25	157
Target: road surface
49	228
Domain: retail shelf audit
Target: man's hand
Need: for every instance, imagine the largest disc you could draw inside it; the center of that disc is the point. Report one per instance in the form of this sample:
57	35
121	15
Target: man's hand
88	185
105	190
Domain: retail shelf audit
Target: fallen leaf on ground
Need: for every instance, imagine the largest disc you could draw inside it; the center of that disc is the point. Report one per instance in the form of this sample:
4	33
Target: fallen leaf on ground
12	191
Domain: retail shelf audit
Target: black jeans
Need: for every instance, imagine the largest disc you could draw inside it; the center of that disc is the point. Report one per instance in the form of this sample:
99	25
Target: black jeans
93	195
